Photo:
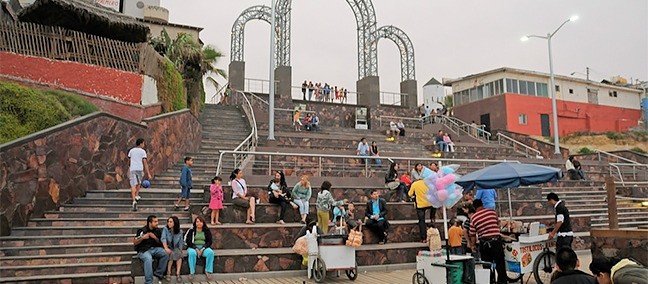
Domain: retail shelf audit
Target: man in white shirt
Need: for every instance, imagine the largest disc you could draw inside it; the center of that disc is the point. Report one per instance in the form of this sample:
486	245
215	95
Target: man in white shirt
138	166
363	149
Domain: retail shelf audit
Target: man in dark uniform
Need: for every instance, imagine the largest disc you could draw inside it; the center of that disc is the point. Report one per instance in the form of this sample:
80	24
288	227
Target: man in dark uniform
562	228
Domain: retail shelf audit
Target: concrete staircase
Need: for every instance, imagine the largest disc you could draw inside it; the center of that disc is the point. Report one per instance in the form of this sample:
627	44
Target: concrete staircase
90	240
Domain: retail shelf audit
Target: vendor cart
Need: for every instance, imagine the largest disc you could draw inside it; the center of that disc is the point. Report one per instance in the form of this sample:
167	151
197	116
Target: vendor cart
455	267
531	254
329	253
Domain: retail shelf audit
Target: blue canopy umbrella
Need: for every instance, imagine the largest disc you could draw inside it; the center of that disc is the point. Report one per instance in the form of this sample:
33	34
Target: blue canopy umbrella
509	175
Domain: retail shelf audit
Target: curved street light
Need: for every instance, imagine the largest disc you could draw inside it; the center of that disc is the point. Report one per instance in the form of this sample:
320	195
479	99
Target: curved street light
552	87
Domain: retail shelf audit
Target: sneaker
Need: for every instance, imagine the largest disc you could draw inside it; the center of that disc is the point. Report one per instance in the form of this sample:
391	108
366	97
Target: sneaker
134	205
186	208
138	198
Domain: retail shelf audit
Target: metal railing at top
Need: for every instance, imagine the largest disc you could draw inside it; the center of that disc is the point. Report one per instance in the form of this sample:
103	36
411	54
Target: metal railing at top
260	86
518	146
636	171
393	99
475	131
343	163
250	142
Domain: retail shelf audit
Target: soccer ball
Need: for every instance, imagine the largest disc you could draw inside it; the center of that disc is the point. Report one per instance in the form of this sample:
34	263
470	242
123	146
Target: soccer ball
146	183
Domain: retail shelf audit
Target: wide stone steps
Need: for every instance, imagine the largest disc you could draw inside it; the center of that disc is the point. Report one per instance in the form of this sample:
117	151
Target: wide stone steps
48	269
121	276
70	259
64	249
103	238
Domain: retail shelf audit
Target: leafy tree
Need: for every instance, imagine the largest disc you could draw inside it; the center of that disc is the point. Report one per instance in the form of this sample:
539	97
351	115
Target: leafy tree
194	63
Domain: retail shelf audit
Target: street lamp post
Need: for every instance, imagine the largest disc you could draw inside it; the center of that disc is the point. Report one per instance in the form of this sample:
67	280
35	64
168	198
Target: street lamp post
271	93
552	87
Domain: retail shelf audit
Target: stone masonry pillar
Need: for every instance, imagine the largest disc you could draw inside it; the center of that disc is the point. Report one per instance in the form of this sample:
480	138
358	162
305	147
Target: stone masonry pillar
368	91
409	87
283	88
236	75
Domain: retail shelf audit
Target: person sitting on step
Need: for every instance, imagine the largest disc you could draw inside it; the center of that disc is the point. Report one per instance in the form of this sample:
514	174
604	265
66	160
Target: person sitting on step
148	246
199	241
376	216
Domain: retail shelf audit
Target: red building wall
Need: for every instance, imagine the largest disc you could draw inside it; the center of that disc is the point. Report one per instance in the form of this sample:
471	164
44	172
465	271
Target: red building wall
572	116
121	85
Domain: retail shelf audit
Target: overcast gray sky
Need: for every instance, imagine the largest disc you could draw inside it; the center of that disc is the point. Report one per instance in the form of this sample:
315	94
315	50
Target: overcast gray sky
451	38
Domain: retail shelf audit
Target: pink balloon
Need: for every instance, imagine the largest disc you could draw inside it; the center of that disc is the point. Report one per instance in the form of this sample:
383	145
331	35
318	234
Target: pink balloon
442	195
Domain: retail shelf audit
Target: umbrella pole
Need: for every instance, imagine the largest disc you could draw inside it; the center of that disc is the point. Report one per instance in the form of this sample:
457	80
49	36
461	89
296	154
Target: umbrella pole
510	205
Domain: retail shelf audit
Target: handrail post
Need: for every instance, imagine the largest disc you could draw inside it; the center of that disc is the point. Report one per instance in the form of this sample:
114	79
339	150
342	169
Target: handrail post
613	218
320	166
269	165
367	167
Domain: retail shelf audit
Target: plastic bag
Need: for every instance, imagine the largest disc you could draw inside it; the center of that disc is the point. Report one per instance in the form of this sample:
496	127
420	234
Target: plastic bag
301	246
434	239
355	238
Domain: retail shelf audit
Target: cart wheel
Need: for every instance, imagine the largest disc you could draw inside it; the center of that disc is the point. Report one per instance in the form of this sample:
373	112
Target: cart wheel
319	270
353	273
543	267
419	278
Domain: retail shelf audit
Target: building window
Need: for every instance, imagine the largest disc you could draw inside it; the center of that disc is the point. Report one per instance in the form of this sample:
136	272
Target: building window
541	90
571	91
512	86
523	87
613	94
522	119
557	88
531	88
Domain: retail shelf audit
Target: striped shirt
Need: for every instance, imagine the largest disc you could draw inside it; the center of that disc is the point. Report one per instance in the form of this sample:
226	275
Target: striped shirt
484	223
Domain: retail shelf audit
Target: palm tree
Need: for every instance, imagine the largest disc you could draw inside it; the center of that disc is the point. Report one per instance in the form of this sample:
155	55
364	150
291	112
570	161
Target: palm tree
194	63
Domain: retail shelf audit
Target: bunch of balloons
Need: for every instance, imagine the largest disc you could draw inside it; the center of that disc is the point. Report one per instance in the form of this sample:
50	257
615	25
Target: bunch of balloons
442	191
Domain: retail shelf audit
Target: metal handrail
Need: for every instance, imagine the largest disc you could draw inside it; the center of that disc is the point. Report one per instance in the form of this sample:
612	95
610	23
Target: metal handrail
599	152
250	142
478	133
501	137
409	160
635	169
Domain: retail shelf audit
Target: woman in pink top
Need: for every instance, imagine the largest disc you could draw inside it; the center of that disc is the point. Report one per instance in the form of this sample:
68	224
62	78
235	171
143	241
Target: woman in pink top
448	142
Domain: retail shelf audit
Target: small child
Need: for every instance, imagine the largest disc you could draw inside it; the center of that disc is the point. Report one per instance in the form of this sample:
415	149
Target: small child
324	203
185	184
454	238
216	201
340	213
276	188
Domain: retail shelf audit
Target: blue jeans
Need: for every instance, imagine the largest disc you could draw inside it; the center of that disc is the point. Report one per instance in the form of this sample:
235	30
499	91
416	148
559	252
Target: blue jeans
208	253
442	146
147	258
303	206
364	161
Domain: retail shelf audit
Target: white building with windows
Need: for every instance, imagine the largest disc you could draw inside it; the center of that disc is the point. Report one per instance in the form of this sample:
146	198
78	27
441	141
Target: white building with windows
518	100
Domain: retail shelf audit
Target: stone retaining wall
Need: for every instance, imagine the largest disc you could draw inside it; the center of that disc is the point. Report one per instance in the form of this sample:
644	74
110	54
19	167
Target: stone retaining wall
621	243
52	167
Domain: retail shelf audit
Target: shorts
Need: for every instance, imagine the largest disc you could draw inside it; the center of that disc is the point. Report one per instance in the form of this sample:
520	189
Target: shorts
186	191
241	203
136	177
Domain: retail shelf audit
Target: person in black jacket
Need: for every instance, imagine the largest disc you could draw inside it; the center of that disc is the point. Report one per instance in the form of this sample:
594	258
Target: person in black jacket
392	182
279	194
376	217
199	241
148	246
567	273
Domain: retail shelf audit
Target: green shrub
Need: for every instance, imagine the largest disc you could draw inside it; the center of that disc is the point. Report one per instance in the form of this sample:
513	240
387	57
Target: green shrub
614	135
31	107
586	150
74	104
25	110
639	150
